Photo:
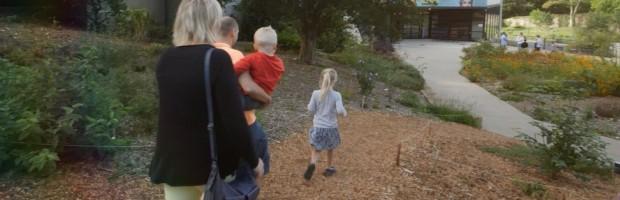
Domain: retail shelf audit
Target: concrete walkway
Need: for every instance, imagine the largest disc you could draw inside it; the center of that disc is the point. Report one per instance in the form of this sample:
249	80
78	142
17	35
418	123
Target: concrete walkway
440	63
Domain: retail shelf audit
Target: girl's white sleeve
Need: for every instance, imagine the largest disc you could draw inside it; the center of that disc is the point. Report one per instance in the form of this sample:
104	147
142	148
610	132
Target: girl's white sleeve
312	104
340	107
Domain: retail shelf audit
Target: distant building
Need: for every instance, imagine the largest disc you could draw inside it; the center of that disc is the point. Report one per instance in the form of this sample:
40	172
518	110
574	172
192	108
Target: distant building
467	20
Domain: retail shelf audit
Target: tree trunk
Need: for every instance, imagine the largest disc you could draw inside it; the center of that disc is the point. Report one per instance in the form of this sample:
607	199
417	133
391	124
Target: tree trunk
571	16
308	46
574	8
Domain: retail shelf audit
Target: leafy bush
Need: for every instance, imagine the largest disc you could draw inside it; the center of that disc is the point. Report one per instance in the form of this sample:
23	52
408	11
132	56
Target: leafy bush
570	144
134	23
390	70
333	40
102	13
541	18
600	32
517	83
366	80
28	99
92	92
288	38
535	190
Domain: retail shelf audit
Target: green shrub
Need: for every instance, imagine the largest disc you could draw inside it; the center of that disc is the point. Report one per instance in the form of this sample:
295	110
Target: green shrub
102	13
570	144
409	99
366	80
453	113
102	110
28	101
482	49
600	32
535	190
390	70
288	38
333	40
541	18
51	100
133	23
406	79
517	83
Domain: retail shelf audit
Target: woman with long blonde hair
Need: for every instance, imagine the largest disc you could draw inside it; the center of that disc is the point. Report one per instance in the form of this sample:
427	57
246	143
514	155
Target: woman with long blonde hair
182	160
325	104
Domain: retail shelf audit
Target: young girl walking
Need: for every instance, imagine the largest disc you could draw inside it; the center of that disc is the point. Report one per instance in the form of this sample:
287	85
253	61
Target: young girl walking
325	104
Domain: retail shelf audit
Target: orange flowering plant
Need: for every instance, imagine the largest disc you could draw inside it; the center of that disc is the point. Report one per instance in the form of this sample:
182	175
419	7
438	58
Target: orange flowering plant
555	72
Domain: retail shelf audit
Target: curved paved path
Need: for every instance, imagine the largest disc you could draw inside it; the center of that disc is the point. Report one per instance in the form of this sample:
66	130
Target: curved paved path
440	62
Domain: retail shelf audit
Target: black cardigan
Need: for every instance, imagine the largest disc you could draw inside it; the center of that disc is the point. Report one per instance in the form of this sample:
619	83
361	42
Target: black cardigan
182	155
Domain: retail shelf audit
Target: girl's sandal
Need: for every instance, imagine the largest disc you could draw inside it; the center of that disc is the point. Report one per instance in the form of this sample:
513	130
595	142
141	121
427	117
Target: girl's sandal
309	172
330	171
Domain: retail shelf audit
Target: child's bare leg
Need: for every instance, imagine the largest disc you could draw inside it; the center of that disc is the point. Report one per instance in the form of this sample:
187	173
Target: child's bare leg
330	158
312	166
330	170
314	158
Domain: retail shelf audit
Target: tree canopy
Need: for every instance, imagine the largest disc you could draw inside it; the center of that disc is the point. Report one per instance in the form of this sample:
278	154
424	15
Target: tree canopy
315	18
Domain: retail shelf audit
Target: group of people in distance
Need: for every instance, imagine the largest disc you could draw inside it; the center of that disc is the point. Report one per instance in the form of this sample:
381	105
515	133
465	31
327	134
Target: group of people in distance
521	41
240	85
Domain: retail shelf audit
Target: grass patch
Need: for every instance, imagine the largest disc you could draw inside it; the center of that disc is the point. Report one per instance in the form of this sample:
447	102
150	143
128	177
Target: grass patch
409	99
390	69
518	153
444	111
560	33
453	113
535	190
514	97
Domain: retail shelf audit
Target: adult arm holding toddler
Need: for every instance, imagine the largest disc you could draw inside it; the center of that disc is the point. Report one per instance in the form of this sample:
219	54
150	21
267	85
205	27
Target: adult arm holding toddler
227	37
253	90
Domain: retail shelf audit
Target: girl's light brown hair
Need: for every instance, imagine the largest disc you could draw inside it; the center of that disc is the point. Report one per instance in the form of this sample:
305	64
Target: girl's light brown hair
329	77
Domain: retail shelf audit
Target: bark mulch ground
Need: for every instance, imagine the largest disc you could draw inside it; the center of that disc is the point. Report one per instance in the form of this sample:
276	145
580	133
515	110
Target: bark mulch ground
443	163
438	161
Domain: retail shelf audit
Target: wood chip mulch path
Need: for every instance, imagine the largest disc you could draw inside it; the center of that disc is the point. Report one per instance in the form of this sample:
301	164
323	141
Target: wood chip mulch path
443	163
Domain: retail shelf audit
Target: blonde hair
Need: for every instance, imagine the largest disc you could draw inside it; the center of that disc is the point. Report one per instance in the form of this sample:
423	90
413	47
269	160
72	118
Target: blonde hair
329	77
197	21
266	40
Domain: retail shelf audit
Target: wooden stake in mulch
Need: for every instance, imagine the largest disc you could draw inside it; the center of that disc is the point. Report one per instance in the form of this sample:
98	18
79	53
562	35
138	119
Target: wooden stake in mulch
398	155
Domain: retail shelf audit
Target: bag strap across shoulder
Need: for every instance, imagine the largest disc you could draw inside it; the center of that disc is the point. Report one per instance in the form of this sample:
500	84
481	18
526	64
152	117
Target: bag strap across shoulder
210	125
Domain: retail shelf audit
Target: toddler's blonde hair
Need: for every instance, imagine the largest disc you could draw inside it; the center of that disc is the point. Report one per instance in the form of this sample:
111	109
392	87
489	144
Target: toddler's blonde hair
266	40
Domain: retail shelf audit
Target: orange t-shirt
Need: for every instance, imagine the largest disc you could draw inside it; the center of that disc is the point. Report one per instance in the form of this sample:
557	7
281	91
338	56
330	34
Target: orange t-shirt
236	56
